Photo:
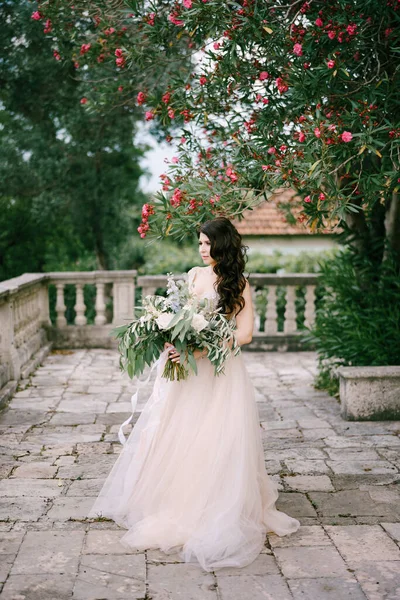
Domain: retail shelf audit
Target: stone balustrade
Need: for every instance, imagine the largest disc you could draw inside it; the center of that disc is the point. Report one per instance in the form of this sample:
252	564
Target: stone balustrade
30	324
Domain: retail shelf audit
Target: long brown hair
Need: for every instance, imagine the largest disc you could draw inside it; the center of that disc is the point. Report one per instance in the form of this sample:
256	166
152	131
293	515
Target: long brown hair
230	256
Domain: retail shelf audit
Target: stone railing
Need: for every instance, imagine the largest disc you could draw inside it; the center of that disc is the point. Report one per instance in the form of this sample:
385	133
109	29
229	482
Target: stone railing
40	310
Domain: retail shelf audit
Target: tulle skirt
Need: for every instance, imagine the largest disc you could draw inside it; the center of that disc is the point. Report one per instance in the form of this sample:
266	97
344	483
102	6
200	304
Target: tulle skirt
191	477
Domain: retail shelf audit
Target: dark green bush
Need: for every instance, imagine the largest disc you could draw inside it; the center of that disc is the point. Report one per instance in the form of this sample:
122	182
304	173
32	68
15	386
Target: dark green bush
358	319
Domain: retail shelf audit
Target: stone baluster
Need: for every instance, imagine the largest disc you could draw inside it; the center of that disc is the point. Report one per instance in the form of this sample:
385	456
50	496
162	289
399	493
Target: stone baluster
60	306
123	300
271	321
256	326
100	318
290	325
80	307
309	313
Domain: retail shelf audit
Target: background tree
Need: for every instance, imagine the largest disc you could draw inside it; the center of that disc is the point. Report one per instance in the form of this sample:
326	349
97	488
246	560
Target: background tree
68	176
304	94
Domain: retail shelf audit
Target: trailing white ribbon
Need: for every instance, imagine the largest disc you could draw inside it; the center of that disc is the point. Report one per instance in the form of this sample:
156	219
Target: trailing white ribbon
134	398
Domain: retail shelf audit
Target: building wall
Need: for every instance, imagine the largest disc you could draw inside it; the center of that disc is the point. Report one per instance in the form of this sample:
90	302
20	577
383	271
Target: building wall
290	244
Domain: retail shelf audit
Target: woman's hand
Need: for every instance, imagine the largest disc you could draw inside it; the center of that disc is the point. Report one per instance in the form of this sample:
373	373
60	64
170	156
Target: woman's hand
173	354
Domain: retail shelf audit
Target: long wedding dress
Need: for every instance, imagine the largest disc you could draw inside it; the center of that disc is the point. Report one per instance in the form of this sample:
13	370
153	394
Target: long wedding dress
191	476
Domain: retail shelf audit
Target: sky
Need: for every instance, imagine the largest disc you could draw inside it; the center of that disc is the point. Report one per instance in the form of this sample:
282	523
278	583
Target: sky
153	161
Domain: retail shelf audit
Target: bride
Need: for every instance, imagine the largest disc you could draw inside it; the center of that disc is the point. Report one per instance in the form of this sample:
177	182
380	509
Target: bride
191	476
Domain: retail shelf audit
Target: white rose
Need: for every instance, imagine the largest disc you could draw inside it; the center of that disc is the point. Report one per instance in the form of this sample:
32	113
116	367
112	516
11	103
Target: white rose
164	320
199	322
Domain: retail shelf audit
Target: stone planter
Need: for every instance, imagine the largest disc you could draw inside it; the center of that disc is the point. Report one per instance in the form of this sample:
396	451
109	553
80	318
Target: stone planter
370	393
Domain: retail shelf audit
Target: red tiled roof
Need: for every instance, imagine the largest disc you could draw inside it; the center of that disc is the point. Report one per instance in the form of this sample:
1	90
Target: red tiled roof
268	219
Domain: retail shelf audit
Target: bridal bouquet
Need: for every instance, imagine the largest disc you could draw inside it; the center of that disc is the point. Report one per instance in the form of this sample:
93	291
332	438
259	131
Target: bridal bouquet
183	320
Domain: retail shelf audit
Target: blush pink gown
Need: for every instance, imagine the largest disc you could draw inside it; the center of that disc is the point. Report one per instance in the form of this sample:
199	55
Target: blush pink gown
191	477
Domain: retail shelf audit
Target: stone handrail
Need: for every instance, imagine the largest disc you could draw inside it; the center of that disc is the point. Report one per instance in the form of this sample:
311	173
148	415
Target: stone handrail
26	331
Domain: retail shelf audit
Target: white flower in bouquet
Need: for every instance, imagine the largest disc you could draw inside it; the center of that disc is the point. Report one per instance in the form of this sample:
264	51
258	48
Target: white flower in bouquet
199	322
163	320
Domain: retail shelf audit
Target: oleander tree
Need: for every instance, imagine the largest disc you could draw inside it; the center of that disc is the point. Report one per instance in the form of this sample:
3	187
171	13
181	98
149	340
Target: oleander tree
259	95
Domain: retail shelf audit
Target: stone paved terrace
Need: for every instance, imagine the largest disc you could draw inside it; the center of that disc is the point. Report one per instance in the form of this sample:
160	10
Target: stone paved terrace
59	441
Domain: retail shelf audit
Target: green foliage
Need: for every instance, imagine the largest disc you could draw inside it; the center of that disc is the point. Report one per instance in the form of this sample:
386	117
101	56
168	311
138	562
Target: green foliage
358	320
293	94
68	176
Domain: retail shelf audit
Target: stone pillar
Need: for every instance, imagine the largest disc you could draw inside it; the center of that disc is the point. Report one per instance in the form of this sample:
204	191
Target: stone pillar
290	325
100	318
80	307
271	322
8	352
123	300
60	306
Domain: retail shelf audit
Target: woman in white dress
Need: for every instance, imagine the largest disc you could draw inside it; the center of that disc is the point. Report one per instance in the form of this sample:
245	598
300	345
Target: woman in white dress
191	477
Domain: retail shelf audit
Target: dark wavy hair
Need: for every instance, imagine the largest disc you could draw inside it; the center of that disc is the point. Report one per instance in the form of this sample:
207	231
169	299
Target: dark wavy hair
230	255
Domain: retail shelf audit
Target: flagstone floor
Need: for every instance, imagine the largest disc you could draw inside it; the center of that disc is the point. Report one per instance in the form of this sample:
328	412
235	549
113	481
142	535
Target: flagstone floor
59	440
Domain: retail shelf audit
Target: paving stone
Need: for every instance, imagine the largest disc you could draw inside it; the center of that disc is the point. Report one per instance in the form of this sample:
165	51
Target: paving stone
93	448
308	483
26	508
6	562
33	488
310	562
312	535
380	580
393	530
111	577
314	423
352	503
352	454
39	470
264	564
85	487
70	508
53	552
253	587
180	582
38	587
317	434
106	542
88	467
354	467
10	542
307	467
326	588
295	504
77	406
359	543
71	418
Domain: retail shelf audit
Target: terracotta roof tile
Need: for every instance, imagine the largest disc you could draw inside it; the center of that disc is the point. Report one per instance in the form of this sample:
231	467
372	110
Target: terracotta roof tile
268	219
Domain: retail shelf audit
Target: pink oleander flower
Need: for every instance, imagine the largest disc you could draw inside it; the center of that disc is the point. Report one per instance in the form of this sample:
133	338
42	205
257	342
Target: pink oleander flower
141	98
351	29
149	115
203	80
47	27
173	19
330	64
118	52
307	199
317	132
175	160
216	45
183	140
319	22
83	100
346	136
331	35
120	88
36	16
171	113
56	55
263	75
120	61
321	196
281	85
176	198
302	136
271	150
306	65
187	3
166	98
264	167
298	50
85	48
